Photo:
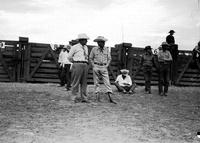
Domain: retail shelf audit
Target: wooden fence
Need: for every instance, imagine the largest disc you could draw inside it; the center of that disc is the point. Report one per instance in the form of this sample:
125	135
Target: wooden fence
23	61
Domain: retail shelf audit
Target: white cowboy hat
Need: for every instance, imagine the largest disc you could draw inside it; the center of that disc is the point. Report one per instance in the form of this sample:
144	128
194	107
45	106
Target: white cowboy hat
67	47
124	71
164	43
82	36
100	38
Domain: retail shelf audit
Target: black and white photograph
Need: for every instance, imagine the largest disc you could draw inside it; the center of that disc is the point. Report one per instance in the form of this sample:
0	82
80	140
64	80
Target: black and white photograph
100	71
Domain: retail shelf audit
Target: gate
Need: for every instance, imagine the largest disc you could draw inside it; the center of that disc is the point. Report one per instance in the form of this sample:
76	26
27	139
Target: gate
8	60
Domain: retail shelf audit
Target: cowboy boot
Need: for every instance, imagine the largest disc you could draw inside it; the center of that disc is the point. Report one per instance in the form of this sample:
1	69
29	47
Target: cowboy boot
98	97
110	99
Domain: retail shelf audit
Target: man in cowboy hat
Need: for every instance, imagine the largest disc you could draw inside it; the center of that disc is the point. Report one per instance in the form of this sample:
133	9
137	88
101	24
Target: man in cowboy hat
78	55
164	59
124	83
147	62
64	69
100	59
170	38
173	48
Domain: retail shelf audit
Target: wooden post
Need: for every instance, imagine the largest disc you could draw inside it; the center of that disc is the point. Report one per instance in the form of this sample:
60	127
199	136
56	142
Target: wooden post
27	63
22	59
129	57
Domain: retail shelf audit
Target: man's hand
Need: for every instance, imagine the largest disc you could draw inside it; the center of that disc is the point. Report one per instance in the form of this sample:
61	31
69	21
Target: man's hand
126	84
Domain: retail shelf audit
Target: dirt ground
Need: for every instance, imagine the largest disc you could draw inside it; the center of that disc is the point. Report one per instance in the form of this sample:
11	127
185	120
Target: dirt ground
43	113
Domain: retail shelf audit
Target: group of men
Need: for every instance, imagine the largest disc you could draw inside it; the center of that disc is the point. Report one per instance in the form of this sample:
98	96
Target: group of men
78	58
76	64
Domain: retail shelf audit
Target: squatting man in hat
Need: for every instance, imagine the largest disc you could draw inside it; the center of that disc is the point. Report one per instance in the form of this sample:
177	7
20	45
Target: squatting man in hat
64	67
124	82
100	59
164	59
78	55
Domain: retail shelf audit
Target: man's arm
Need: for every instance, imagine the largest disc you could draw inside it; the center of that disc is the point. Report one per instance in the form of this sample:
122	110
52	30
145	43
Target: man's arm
91	57
109	58
71	53
169	57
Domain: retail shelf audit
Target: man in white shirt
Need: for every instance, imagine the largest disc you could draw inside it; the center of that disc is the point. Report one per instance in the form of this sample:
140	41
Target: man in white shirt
124	83
64	69
164	59
100	59
78	55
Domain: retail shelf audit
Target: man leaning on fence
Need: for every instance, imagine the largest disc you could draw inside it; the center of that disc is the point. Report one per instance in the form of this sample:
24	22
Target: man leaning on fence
164	59
100	59
78	55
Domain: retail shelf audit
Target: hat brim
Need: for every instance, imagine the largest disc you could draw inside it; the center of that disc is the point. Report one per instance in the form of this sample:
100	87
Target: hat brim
82	38
100	40
124	71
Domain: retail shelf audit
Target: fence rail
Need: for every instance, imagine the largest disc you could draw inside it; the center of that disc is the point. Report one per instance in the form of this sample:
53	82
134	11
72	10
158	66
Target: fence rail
22	61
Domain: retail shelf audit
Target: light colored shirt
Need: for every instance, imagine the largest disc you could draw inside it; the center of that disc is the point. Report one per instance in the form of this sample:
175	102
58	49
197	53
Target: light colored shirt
78	53
164	56
63	58
125	81
100	56
197	49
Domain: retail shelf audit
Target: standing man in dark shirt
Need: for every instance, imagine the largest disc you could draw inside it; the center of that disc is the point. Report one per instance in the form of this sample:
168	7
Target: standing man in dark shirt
173	48
170	38
147	62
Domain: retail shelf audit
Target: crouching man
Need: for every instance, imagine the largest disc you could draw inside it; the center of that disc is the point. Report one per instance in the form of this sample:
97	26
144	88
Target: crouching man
124	83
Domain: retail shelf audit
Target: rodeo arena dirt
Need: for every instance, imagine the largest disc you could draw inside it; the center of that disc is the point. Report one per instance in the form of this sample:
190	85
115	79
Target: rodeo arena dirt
43	113
34	109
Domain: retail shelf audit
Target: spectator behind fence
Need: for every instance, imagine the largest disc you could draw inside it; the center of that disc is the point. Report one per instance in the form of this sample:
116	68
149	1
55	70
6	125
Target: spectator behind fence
100	59
170	38
64	67
78	55
164	59
173	48
124	82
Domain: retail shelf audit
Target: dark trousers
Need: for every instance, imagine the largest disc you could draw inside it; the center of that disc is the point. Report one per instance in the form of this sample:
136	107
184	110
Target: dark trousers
164	71
126	88
174	71
65	75
147	77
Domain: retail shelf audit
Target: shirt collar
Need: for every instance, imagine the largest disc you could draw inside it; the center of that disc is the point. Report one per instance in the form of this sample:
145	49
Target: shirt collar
100	48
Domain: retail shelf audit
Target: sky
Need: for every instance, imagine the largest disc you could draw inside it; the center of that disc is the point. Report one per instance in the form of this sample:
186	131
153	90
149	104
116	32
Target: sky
140	22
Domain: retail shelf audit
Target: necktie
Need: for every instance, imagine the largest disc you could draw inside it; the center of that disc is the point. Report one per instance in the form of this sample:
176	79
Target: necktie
85	54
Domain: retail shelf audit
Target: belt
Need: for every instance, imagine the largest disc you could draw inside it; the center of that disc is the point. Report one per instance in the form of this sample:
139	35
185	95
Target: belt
84	62
100	64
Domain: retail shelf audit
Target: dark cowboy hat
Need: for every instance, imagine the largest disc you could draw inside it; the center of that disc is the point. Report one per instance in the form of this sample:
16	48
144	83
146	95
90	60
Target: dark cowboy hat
171	31
147	48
